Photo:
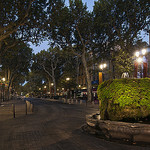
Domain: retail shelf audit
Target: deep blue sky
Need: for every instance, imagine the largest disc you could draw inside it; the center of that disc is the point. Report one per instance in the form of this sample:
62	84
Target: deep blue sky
90	4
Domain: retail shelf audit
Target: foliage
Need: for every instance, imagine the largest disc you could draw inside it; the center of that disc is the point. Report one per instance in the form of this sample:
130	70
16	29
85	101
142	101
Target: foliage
48	63
124	98
71	29
118	23
34	82
16	62
123	63
24	18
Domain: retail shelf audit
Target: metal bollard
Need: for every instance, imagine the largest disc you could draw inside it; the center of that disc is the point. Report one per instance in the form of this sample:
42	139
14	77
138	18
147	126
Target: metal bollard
68	101
31	107
13	110
26	109
80	101
72	101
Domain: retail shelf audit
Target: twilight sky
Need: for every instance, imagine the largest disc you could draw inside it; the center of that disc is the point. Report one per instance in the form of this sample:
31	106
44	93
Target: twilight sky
90	4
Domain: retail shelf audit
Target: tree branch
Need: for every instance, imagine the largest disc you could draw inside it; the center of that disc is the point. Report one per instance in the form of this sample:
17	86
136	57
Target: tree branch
46	70
6	31
80	36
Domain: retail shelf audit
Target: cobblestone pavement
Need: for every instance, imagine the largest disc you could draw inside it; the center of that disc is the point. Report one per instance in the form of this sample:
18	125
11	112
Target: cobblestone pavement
52	126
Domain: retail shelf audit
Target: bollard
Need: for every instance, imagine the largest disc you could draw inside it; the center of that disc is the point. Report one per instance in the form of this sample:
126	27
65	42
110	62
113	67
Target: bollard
28	105
76	101
93	103
80	101
31	107
72	101
68	101
13	110
26	110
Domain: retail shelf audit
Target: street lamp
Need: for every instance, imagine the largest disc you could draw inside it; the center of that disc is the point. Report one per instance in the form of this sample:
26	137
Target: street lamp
144	51
3	79
40	92
3	89
67	79
101	66
141	60
68	91
137	54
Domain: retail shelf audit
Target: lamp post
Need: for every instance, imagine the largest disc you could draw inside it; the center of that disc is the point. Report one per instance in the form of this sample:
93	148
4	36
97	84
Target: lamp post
101	66
4	79
142	62
68	91
3	89
63	92
52	90
40	92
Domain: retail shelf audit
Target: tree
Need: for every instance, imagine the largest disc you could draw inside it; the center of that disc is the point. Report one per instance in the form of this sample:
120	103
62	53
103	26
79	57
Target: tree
49	62
34	83
25	18
72	29
16	62
118	23
123	63
69	69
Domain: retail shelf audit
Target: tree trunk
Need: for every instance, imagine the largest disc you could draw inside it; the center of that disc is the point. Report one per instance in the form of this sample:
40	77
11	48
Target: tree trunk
89	86
10	85
77	80
54	81
49	84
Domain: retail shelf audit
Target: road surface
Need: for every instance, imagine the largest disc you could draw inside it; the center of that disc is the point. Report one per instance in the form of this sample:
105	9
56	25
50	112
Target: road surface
54	126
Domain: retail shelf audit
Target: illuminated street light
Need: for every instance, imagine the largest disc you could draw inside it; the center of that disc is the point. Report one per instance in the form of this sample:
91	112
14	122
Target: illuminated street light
3	79
39	88
67	79
45	87
52	84
79	85
137	54
144	51
68	90
102	66
101	75
139	60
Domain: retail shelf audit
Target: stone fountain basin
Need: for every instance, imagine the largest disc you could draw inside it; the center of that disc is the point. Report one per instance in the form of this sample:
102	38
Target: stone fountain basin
133	132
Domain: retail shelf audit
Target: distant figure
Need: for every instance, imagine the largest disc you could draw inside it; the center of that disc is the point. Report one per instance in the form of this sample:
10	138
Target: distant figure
125	75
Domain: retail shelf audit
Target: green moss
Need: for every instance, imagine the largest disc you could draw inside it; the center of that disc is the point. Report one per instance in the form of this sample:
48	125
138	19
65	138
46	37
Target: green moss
124	98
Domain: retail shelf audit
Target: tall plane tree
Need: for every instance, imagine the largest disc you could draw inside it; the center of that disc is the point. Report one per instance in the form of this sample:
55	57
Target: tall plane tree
48	61
71	27
118	23
16	62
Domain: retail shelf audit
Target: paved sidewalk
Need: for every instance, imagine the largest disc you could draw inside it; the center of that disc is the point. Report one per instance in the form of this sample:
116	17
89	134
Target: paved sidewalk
6	109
